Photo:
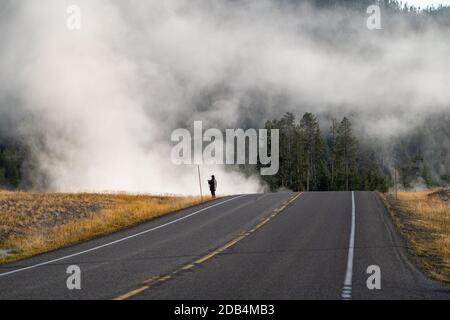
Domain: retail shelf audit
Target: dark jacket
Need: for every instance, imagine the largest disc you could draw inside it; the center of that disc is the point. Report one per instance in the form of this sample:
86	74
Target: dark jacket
212	184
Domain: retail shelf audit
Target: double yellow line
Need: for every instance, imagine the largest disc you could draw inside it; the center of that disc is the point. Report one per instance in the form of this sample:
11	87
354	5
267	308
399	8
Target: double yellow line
159	279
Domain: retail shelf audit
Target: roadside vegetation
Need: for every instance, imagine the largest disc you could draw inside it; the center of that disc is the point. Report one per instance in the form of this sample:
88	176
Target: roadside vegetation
424	220
33	223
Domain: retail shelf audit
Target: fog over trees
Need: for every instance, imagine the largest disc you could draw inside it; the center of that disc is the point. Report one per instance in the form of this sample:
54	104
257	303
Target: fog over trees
352	105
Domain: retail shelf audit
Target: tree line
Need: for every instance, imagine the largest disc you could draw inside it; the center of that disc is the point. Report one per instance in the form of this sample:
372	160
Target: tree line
12	160
314	161
311	158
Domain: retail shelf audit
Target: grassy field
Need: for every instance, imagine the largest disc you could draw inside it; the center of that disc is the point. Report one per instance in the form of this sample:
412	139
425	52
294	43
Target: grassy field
424	220
33	223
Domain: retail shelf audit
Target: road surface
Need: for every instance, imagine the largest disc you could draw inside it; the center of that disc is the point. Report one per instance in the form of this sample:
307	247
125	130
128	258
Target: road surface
261	246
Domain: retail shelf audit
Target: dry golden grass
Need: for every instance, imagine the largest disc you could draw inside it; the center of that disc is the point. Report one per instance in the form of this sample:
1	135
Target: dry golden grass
424	219
33	223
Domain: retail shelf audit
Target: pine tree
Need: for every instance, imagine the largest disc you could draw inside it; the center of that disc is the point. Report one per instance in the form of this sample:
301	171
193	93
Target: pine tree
285	176
287	128
332	143
344	156
313	150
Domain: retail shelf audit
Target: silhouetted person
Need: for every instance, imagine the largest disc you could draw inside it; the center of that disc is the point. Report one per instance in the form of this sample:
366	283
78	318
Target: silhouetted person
213	186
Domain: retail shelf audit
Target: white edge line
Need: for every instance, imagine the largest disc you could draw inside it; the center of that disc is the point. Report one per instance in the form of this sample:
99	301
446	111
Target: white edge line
349	274
119	240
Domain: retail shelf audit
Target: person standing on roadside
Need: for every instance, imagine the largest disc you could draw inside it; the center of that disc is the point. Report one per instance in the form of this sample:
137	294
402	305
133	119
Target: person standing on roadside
213	186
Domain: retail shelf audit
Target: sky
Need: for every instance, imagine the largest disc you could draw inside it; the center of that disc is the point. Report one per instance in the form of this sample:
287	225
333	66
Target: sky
425	3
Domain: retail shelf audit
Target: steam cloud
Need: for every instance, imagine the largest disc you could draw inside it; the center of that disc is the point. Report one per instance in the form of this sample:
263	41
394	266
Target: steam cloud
98	105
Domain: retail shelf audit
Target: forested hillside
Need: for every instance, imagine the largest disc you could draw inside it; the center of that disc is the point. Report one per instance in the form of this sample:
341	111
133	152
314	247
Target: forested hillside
423	157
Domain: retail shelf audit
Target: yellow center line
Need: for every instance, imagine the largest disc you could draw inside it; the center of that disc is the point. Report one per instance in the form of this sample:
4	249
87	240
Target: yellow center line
152	279
206	258
132	293
189	266
211	255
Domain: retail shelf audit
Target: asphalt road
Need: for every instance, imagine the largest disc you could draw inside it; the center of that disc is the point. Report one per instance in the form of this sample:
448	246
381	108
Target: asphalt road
263	246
